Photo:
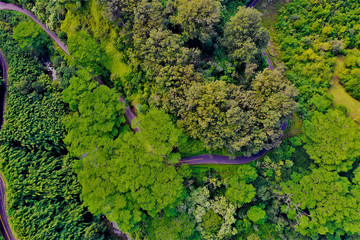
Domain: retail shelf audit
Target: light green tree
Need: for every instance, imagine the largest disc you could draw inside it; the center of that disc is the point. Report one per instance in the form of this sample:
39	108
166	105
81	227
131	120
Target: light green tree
87	52
239	190
157	131
256	214
214	217
99	116
322	203
175	228
332	140
125	181
31	37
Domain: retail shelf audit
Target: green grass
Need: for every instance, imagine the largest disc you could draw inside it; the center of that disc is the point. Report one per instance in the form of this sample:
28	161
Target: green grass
341	97
295	126
270	10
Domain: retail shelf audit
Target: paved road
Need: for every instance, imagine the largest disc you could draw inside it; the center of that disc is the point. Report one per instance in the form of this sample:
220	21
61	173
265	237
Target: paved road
17	8
220	159
13	7
252	4
4	226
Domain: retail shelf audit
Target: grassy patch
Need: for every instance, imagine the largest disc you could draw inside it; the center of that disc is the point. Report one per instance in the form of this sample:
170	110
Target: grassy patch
295	126
341	97
270	10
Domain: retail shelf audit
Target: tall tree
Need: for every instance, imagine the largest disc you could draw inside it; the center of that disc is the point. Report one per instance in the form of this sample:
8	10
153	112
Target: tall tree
332	140
99	116
87	52
127	182
197	18
32	38
244	36
322	203
157	131
225	115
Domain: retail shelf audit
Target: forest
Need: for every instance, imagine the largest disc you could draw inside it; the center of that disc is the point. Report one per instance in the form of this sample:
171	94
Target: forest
195	75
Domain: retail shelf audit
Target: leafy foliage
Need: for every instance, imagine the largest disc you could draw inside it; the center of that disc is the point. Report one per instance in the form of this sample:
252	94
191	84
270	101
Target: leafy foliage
124	180
244	36
331	139
319	208
199	26
30	36
157	130
43	190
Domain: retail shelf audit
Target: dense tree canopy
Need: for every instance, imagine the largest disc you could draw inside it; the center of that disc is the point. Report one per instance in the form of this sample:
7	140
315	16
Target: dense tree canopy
331	140
177	53
157	131
99	116
196	77
322	203
200	26
124	180
244	36
223	114
30	36
42	190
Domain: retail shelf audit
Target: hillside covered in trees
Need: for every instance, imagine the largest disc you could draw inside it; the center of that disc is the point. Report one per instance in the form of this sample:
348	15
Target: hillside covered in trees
195	74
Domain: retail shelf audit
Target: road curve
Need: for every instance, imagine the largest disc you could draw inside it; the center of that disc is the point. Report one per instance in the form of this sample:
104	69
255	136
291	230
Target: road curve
220	159
4	226
196	160
17	8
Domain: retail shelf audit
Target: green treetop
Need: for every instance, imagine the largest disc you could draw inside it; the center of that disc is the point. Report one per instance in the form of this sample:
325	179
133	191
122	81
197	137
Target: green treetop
322	203
244	36
332	140
197	18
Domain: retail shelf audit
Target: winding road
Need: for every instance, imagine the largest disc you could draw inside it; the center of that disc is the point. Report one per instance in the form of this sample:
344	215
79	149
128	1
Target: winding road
196	160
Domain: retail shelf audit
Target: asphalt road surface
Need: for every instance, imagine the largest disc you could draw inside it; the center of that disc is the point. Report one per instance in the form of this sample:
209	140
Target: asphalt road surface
220	159
17	8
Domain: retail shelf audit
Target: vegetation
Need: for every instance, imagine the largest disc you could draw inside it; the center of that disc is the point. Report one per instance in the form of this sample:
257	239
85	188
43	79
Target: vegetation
349	76
43	191
195	74
341	97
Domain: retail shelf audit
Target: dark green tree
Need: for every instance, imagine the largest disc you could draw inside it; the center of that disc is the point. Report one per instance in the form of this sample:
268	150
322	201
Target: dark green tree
244	36
197	18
